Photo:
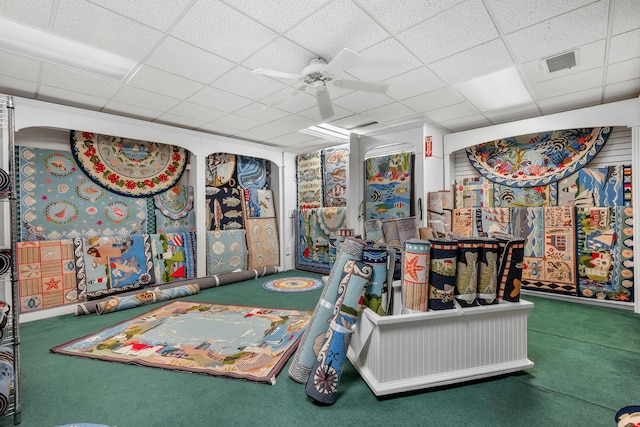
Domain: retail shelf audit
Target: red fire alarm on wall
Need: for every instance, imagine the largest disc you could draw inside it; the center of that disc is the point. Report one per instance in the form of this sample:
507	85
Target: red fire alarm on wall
428	146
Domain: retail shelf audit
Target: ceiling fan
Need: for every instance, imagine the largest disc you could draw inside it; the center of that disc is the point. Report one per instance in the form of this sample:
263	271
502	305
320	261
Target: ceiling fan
318	74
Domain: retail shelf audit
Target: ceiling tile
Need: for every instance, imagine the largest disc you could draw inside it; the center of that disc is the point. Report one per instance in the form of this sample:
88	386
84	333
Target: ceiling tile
197	112
19	66
17	87
216	27
413	82
567	84
384	60
352	121
279	15
217	129
620	91
262	132
219	99
159	14
188	61
396	16
513	15
93	25
237	123
243	82
451	112
294	122
454	30
466	123
572	101
624	46
432	100
587	57
72	98
260	112
517	112
290	100
179	121
143	98
313	113
559	34
622	71
164	83
340	24
486	58
362	101
281	55
35	13
390	112
626	16
291	139
78	82
128	110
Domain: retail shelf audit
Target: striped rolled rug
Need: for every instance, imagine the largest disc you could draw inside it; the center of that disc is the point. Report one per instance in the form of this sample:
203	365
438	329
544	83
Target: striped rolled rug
415	275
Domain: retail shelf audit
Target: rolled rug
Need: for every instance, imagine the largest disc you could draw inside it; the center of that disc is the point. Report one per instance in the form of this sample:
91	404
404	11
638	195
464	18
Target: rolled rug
332	252
467	272
313	335
415	275
391	233
408	228
387	297
373	231
6	377
510	270
116	303
442	274
322	384
5	261
487	271
376	289
5	181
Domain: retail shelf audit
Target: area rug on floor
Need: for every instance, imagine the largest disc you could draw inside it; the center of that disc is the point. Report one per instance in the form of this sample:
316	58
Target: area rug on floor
251	343
293	284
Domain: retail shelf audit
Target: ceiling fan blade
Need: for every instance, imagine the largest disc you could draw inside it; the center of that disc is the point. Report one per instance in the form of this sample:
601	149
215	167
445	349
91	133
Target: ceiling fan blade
324	104
362	85
343	60
276	73
285	98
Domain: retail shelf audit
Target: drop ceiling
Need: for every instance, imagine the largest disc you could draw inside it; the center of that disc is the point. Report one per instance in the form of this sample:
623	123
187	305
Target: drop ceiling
196	59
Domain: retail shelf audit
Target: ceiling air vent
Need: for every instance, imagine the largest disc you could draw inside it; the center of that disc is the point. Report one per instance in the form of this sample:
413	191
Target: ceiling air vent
561	62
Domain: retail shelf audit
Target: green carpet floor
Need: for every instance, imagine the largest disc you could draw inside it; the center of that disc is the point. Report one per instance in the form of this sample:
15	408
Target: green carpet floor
587	366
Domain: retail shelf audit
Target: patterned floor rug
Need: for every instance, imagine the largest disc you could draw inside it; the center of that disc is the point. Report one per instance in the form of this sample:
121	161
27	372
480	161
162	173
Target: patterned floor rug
251	343
293	284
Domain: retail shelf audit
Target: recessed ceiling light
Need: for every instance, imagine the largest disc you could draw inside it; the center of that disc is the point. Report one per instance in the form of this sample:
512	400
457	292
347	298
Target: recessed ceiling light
327	131
44	46
495	91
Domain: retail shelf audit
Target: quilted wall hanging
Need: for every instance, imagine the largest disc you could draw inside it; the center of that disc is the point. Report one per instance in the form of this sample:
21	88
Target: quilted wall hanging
537	159
389	186
335	176
57	201
128	167
105	265
309	179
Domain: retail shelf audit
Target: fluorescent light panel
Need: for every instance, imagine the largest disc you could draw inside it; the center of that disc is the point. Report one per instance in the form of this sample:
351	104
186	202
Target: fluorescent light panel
44	46
495	91
327	131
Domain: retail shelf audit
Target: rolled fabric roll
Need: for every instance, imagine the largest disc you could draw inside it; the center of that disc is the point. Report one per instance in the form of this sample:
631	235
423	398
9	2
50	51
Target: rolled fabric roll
408	228
442	274
487	271
391	233
510	270
415	275
467	272
313	335
373	230
376	289
5	261
6	377
322	383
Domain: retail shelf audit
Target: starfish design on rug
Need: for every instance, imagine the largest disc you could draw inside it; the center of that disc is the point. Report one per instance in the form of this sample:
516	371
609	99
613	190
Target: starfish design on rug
50	253
411	267
52	284
218	263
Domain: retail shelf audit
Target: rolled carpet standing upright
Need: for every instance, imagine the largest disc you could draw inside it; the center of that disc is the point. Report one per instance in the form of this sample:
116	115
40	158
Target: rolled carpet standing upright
488	271
510	270
6	377
322	384
415	275
467	272
313	335
442	274
376	289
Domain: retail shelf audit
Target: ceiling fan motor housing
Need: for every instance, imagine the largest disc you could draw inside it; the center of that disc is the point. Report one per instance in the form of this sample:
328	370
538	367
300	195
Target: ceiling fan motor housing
314	72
